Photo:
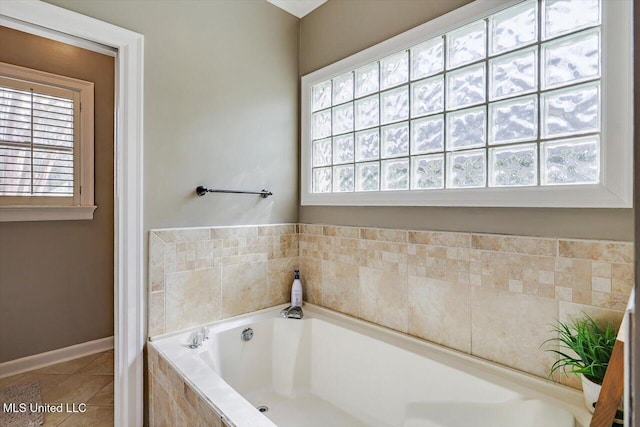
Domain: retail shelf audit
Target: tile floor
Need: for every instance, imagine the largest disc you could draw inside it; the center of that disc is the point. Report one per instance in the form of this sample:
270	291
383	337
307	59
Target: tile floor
87	380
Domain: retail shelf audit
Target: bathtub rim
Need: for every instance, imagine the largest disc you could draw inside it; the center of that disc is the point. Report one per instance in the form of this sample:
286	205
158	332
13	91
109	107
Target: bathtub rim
554	393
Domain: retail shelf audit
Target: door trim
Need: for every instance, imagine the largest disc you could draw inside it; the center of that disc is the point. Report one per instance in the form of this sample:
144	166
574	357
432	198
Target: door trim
129	303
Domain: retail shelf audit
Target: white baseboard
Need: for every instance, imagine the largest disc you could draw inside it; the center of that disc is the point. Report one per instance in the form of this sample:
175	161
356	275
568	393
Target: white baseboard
52	357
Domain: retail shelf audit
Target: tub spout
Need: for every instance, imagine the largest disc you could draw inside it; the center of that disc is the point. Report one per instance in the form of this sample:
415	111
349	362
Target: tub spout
292	313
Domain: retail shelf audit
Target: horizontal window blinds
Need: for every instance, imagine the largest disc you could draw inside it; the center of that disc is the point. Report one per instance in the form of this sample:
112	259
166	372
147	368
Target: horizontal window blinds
36	143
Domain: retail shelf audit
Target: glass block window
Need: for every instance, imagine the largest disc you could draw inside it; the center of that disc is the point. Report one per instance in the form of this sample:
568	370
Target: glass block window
509	100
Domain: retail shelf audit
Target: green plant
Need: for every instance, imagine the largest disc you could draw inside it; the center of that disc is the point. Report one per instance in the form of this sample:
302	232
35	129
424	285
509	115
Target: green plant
591	344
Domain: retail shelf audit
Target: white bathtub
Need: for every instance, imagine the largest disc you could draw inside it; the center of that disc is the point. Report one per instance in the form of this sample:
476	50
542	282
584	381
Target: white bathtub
330	370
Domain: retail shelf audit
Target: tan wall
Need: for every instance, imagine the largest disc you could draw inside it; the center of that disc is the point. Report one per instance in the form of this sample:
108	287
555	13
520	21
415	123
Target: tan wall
220	107
340	28
56	278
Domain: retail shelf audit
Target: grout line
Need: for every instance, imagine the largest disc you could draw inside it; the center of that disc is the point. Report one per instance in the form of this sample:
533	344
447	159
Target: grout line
63	420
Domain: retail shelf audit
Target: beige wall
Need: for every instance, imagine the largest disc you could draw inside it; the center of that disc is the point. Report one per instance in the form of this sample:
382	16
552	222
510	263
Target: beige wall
340	28
220	100
56	278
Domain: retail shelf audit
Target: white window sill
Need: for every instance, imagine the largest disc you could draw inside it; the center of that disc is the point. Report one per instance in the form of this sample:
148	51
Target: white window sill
45	213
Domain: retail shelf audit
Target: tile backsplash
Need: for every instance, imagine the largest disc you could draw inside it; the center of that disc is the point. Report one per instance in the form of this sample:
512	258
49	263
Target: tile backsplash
493	296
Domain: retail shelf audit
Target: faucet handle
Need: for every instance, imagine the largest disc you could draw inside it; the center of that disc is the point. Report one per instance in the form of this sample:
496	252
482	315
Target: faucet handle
205	333
285	312
295	313
195	339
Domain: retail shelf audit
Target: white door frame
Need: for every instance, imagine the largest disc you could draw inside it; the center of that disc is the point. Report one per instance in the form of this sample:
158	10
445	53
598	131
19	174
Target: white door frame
129	325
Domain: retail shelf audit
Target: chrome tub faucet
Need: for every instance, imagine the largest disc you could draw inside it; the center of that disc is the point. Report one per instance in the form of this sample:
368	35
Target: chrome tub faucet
292	312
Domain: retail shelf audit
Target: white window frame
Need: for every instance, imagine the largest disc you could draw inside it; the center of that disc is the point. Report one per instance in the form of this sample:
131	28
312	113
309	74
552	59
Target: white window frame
81	205
616	186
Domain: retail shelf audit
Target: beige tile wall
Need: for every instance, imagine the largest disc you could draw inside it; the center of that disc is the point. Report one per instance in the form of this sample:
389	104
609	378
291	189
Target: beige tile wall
172	402
199	275
492	296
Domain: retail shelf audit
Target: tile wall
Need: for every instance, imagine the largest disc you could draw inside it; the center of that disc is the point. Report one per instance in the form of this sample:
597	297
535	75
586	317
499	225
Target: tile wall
492	296
172	402
199	275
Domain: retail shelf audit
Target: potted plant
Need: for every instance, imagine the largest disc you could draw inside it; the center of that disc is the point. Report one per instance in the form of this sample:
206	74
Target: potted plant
584	348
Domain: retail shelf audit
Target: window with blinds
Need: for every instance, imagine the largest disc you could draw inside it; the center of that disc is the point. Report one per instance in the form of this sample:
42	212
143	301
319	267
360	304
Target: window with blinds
37	138
46	146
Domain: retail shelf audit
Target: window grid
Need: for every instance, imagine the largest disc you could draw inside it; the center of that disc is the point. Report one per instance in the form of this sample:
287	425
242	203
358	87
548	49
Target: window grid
489	146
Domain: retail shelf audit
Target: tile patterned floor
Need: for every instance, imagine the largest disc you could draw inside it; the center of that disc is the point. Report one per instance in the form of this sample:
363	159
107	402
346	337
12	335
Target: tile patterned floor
85	380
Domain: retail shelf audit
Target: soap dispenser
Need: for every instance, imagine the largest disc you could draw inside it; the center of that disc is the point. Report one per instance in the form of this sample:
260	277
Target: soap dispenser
296	291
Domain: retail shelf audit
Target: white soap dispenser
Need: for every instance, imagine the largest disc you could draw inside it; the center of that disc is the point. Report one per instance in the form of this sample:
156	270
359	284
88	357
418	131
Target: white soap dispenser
296	291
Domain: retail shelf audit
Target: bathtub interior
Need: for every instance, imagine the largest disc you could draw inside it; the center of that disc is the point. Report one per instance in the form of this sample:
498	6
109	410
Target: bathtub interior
312	372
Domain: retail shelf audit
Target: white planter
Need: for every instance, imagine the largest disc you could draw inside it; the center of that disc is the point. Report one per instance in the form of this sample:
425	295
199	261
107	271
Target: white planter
591	391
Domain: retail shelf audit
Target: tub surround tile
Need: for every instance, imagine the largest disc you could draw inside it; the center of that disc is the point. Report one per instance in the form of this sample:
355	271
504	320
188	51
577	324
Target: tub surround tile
170	261
340	287
280	275
156	313
502	333
438	238
383	298
601	284
313	246
608	300
284	246
174	402
183	235
337	249
234	232
564	294
244	288
619	252
164	412
439	312
601	269
522	245
277	230
311	276
430	278
384	235
311	229
204	255
622	278
338	231
192	298
384	256
156	263
185	256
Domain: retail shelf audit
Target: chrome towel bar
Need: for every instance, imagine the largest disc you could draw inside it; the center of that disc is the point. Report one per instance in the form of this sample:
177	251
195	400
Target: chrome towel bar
201	191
